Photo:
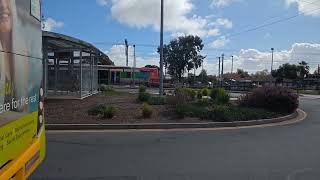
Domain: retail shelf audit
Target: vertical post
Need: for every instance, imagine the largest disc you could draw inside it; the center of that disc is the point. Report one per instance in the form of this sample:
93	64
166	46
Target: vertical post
134	64
55	73
318	69
222	69
272	49
45	68
127	52
161	50
219	72
232	65
80	74
91	72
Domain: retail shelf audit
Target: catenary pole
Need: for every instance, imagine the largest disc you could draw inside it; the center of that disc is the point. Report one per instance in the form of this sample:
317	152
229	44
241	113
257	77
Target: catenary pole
161	51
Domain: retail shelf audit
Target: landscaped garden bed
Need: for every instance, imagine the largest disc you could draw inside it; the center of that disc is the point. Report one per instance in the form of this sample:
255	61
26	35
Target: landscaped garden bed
185	106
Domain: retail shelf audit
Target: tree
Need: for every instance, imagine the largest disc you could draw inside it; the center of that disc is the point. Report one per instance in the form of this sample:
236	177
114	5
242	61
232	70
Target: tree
286	71
261	76
203	76
183	54
242	73
303	69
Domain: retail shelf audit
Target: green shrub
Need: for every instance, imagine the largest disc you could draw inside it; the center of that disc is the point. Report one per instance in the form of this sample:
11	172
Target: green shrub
276	99
142	89
144	97
223	97
147	110
203	102
199	95
181	111
95	111
220	96
109	112
219	113
191	110
182	96
205	91
157	100
214	92
223	113
187	92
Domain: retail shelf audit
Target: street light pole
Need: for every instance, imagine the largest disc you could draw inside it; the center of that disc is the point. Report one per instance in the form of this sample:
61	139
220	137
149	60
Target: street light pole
222	69
134	64
161	51
127	52
219	74
272	50
232	65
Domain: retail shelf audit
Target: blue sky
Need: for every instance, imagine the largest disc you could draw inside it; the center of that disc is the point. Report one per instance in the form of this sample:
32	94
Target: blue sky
106	23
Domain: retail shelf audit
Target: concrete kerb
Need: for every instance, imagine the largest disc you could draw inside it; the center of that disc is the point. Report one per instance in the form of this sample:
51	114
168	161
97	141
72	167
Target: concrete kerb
289	119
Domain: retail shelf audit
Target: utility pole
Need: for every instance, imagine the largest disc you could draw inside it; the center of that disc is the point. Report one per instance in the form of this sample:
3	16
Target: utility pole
222	67
219	73
161	51
232	65
272	50
318	69
127	51
134	65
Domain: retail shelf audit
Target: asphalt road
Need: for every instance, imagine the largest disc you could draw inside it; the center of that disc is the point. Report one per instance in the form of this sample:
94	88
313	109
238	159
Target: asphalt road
289	152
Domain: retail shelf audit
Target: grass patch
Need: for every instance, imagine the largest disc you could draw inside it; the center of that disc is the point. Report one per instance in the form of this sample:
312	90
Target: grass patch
223	113
147	111
106	111
95	111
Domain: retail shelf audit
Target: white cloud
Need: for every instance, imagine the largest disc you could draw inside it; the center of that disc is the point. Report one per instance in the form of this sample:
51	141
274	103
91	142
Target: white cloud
179	19
220	42
253	60
51	24
307	8
117	55
221	3
214	32
102	2
222	22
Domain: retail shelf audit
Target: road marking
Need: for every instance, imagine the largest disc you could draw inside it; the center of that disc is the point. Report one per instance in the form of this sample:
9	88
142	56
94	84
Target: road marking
301	117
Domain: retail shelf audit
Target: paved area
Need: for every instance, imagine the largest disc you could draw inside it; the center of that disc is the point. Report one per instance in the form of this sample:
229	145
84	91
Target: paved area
275	153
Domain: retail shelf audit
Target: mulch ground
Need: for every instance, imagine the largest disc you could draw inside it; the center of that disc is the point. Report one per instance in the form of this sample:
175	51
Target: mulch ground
129	111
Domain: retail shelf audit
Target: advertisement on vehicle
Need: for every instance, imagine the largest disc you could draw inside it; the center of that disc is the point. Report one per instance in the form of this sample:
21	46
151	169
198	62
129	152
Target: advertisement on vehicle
20	76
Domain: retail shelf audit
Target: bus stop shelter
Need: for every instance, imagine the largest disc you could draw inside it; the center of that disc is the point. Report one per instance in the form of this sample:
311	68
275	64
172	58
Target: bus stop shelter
70	66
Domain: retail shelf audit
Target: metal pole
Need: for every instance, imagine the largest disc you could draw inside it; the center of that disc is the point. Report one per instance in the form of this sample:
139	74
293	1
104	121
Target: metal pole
219	74
161	51
222	67
134	64
272	49
232	65
127	52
